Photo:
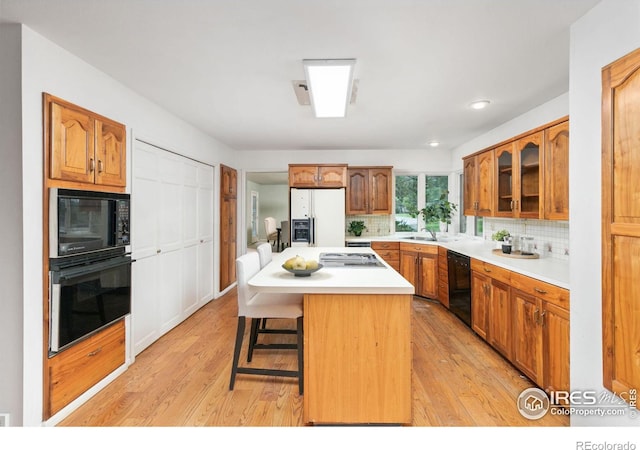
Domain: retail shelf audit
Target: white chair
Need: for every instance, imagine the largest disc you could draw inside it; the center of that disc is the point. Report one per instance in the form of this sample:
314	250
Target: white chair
271	229
258	305
265	252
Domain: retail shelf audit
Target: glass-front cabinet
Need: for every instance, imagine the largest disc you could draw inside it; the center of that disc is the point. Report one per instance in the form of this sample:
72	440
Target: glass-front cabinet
505	181
528	151
518	177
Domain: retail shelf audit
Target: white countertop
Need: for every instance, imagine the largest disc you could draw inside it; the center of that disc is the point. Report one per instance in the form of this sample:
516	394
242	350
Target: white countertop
551	270
329	280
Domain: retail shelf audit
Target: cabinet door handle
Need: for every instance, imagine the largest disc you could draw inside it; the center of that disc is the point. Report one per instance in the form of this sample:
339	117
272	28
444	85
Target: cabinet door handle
536	316
542	318
539	291
95	352
92	165
487	270
511	205
99	166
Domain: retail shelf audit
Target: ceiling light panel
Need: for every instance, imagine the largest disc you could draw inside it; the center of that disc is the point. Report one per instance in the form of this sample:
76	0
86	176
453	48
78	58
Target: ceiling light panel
330	82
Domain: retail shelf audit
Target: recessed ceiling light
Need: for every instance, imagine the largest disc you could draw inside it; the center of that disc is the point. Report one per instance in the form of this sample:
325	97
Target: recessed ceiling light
434	143
479	104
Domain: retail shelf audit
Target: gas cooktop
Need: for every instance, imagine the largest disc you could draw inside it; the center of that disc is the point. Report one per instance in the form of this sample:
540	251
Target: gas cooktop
349	260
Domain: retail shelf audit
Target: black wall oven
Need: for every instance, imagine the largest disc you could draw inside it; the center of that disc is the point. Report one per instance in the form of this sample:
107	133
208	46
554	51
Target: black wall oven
89	264
87	297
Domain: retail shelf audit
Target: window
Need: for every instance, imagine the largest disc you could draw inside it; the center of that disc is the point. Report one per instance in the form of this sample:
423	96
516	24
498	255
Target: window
414	192
406	202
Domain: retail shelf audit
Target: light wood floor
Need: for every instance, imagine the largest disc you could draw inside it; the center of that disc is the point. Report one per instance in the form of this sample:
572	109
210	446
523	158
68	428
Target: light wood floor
183	379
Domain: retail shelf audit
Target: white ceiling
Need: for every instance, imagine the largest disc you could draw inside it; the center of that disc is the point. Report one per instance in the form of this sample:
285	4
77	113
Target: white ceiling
226	66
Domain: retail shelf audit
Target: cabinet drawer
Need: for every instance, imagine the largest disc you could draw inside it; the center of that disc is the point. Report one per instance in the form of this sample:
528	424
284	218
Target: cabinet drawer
545	291
75	370
380	245
389	255
490	270
422	248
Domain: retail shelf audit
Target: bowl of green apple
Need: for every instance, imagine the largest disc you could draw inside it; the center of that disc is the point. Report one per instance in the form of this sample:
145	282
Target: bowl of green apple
300	267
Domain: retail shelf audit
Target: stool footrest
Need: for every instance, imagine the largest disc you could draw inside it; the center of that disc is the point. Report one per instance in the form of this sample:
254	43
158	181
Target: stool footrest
274	372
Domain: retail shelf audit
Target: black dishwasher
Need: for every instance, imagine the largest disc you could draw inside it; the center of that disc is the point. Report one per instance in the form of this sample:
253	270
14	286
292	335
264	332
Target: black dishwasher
459	270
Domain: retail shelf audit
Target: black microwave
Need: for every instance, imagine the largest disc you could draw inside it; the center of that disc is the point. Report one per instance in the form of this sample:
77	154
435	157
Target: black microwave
83	222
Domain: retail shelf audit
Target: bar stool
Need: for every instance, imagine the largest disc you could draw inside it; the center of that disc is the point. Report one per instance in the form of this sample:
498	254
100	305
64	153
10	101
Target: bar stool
258	305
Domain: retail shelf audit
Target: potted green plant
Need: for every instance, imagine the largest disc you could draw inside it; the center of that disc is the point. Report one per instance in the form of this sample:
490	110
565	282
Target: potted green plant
356	227
438	212
499	236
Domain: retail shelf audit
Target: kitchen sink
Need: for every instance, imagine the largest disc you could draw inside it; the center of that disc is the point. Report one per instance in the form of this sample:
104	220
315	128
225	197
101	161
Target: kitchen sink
420	238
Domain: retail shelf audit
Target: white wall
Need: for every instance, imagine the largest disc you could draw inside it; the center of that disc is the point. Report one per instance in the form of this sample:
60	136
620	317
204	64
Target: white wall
11	279
49	68
607	32
426	159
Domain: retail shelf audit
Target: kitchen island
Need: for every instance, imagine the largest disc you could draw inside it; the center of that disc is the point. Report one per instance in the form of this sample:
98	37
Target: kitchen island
357	338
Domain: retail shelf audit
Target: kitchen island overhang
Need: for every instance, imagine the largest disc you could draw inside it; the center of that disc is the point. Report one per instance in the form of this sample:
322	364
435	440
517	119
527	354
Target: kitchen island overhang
357	338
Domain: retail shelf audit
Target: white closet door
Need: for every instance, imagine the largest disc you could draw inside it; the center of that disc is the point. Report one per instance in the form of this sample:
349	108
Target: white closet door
205	233
145	311
170	204
205	272
170	289
172	226
190	274
144	199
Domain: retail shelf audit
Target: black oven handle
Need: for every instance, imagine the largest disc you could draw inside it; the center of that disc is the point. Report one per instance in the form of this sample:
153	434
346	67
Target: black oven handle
77	271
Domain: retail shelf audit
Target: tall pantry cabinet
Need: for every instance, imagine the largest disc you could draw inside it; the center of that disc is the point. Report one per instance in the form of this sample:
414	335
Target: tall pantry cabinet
228	225
621	224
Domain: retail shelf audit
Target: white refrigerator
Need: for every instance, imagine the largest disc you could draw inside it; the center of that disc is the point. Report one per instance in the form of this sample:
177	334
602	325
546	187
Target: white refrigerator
326	210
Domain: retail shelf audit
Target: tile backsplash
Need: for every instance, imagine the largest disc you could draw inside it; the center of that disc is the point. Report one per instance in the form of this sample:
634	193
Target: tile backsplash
551	237
377	225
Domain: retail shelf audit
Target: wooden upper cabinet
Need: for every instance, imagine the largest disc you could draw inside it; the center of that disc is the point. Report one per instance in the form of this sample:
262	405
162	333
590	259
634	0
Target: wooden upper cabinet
506	180
111	164
528	176
470	176
318	176
518	175
369	190
528	193
478	184
556	179
84	147
621	223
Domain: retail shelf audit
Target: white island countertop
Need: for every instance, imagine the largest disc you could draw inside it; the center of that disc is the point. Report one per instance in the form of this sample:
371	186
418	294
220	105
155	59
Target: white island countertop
330	280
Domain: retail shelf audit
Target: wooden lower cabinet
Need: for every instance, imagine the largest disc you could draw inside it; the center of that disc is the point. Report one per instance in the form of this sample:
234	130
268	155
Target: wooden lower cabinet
443	277
389	251
419	266
73	371
479	303
357	359
527	348
524	319
499	318
555	325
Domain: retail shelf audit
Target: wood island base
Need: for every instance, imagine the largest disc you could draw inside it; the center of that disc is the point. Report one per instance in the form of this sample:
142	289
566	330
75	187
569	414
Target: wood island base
357	359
